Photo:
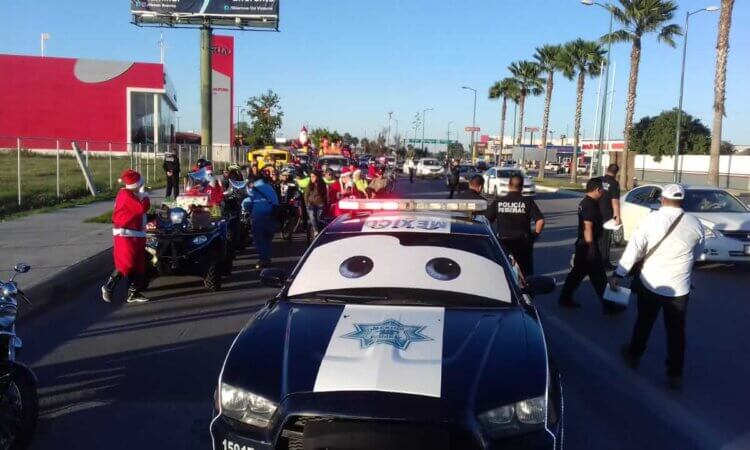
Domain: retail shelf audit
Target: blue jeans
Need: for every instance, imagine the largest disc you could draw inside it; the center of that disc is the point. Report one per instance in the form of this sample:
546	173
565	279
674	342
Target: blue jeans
264	227
314	212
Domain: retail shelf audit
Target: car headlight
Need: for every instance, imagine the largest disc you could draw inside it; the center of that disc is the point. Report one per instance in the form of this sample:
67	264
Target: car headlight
245	406
177	216
200	240
521	417
709	230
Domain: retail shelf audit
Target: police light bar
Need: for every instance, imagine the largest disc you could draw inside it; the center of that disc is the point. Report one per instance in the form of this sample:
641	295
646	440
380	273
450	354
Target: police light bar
413	205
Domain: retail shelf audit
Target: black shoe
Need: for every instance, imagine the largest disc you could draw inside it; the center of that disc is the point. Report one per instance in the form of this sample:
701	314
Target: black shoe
106	294
674	382
572	304
630	360
136	297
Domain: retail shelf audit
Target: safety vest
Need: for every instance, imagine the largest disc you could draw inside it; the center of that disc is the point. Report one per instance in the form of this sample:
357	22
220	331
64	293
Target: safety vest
303	183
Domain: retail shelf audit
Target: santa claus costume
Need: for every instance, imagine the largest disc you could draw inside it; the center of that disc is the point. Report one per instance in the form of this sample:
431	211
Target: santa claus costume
129	222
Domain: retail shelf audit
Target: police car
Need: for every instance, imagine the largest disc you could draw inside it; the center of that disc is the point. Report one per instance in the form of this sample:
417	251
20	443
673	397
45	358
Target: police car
403	326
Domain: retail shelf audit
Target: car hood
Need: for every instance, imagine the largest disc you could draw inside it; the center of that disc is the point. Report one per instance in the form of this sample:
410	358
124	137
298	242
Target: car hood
475	358
726	221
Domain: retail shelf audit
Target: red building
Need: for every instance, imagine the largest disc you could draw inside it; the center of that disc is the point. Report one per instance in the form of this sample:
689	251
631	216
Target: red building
45	100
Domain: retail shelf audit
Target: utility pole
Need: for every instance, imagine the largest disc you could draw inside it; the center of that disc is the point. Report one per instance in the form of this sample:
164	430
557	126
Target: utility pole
388	136
424	123
44	38
473	123
162	49
206	91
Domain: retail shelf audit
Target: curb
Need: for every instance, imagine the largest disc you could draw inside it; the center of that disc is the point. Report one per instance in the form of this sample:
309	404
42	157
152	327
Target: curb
541	188
64	284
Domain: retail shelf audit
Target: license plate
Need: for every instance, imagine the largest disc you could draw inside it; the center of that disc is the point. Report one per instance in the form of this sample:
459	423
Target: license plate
747	249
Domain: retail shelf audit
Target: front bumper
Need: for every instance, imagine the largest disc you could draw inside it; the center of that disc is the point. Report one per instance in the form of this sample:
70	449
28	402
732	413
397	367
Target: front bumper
724	249
324	432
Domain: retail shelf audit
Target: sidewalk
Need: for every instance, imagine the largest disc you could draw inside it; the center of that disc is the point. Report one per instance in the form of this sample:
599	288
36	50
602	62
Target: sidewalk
61	249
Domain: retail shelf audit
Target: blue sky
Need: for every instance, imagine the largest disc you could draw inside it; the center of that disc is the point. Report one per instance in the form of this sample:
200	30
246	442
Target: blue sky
344	64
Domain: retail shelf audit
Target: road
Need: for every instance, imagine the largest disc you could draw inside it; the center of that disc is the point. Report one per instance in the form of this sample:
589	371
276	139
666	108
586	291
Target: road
142	377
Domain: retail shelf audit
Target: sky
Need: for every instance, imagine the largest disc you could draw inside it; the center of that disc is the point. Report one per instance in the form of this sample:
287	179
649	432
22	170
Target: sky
345	64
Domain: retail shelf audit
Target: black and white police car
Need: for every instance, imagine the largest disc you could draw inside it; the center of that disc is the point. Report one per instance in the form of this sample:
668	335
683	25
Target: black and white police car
403	326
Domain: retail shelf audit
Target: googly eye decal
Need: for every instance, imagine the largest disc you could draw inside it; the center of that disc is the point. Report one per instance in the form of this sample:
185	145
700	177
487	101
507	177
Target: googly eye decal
443	269
356	267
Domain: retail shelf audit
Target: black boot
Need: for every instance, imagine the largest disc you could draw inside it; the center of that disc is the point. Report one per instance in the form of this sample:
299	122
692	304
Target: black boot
134	296
109	286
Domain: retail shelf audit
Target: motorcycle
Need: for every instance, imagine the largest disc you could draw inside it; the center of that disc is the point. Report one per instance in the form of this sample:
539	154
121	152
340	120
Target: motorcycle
19	402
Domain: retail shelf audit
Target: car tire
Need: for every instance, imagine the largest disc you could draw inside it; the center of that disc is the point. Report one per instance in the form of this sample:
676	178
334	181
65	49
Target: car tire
212	278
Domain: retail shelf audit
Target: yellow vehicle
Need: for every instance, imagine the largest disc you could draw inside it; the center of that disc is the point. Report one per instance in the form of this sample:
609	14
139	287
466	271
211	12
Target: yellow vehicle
269	156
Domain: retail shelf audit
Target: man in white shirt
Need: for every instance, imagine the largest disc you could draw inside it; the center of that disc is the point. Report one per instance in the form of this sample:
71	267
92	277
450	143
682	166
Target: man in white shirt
664	280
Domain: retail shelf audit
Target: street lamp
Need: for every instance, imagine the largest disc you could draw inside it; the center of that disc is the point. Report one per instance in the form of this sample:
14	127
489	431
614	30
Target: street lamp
600	153
388	136
424	122
473	122
682	87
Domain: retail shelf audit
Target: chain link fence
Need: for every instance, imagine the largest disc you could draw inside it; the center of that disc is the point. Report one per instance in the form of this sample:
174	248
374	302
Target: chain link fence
44	172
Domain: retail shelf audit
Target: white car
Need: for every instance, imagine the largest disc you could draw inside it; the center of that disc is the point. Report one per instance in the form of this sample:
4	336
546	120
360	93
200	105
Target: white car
725	219
496	181
429	167
554	167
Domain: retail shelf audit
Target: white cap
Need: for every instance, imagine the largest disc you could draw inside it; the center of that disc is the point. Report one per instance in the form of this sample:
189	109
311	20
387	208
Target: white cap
673	192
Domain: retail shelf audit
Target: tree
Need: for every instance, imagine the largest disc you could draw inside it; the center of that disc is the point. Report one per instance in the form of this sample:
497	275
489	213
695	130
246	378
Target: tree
317	135
639	17
266	115
506	89
580	58
530	83
548	58
655	135
242	133
455	150
720	87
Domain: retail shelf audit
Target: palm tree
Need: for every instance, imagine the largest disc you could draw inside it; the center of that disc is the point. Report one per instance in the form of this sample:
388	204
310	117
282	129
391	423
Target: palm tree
548	58
720	85
529	83
640	17
506	89
580	58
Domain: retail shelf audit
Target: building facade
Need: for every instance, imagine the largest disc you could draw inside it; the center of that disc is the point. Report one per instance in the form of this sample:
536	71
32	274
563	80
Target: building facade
48	102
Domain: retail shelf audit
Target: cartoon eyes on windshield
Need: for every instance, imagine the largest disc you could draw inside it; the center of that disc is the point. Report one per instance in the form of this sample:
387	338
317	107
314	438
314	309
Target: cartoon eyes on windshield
443	269
356	267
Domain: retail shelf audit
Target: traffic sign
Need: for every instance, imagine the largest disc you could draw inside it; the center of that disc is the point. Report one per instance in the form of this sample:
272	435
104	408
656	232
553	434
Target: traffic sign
470	129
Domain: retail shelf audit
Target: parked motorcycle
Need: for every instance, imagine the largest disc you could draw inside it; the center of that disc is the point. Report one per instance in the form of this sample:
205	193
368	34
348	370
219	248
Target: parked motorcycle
19	403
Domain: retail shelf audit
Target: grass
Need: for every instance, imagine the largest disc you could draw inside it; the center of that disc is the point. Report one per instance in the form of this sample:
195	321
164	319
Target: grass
101	218
38	182
559	183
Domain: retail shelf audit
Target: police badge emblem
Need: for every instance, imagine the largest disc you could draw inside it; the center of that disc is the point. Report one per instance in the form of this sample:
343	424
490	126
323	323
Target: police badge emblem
390	332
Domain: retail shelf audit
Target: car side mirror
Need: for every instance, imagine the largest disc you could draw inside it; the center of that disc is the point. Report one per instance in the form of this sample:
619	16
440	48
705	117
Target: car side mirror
22	268
540	285
272	277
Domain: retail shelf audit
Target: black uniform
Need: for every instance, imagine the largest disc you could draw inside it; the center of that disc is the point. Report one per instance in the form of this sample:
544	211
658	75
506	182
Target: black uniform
513	226
587	259
455	176
490	213
412	169
172	165
611	191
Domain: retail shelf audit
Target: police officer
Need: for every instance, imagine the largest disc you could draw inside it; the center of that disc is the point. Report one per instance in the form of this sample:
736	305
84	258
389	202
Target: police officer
454	177
587	259
171	167
476	184
515	213
610	208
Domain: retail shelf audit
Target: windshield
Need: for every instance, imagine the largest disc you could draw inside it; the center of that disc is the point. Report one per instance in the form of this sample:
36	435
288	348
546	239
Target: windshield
430	162
509	173
403	267
711	201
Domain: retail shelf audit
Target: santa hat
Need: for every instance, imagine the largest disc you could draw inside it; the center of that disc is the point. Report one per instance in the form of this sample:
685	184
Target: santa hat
131	178
346	172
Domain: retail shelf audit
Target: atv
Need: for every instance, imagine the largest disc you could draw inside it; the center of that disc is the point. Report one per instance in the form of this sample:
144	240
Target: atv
185	239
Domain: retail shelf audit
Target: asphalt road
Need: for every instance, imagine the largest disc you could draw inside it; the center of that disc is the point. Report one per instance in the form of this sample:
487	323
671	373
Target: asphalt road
142	377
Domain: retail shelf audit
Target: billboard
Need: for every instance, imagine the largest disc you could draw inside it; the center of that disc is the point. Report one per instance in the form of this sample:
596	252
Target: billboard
230	13
222	79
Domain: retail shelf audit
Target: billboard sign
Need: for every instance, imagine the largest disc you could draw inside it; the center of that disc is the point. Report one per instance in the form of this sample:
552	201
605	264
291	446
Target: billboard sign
472	129
230	13
222	73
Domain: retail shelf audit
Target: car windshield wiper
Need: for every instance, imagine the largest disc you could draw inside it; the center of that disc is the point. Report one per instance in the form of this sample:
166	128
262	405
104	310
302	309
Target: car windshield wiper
339	298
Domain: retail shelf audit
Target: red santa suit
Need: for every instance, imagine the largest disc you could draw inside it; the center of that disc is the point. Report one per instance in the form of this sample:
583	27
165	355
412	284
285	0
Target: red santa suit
129	222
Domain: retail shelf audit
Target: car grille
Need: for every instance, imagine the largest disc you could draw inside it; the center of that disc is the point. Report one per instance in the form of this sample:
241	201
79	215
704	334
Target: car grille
739	235
292	435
